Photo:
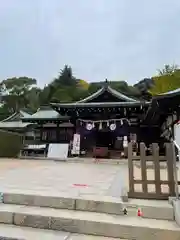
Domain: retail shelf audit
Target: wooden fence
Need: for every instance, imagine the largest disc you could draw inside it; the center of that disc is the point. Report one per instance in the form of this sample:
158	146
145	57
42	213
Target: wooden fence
151	177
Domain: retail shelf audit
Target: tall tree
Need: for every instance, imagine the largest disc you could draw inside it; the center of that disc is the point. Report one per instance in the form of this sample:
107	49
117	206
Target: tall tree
168	80
64	88
168	69
15	92
33	98
65	77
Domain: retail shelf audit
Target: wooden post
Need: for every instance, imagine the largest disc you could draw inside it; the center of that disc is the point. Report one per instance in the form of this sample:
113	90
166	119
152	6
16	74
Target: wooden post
57	132
155	156
169	157
143	167
130	167
41	135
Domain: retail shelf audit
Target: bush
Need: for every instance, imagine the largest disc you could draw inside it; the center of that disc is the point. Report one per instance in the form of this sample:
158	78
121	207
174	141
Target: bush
10	144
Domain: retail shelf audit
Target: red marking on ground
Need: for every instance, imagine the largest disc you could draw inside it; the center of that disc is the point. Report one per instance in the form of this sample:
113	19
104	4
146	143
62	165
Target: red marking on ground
80	185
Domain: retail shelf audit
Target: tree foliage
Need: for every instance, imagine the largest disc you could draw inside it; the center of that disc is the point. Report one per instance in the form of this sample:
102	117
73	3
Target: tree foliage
167	80
168	69
18	93
15	92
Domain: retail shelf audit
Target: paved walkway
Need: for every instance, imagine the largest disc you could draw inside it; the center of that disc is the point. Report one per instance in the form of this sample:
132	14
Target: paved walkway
60	177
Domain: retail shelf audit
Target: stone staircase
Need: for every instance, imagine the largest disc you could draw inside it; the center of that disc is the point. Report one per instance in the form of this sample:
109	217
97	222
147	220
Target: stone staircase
28	216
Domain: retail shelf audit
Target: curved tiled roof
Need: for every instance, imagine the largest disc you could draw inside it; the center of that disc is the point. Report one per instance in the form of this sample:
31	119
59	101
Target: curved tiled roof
16	116
44	113
13	124
172	93
112	91
14	121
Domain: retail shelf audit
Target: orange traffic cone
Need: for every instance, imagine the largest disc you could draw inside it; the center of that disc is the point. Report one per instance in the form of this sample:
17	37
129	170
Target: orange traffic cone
139	213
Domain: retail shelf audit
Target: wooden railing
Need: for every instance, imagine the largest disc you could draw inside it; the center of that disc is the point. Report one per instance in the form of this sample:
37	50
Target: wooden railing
151	177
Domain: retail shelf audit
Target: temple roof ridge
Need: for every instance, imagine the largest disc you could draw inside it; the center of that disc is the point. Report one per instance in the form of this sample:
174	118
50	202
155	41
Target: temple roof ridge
16	116
107	88
45	112
12	116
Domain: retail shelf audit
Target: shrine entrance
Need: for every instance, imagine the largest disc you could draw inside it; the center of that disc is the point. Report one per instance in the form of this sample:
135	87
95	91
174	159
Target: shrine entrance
104	138
109	144
104	143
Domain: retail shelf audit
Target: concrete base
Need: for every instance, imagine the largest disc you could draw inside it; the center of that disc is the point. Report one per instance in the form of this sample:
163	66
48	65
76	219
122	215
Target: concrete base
176	205
78	160
11	232
101	204
124	195
100	216
171	200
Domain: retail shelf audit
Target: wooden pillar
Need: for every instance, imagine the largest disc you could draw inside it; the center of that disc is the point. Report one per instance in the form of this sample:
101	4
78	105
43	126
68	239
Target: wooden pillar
23	143
41	132
57	133
74	122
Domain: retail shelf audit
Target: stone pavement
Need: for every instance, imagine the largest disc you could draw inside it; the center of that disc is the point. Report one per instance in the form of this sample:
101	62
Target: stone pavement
60	177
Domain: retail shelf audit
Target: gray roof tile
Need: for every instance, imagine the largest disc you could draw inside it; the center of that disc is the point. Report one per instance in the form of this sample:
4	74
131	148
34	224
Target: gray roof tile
45	113
15	124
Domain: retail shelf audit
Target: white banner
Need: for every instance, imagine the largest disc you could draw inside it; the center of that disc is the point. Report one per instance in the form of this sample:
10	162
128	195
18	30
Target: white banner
76	145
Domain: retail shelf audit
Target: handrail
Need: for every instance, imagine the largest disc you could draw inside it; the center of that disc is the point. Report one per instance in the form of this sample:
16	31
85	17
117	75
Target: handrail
175	169
175	143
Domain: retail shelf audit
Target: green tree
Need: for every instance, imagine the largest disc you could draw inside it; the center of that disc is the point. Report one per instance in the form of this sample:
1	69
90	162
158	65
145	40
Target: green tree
65	77
33	98
61	88
64	88
62	95
168	80
168	69
15	91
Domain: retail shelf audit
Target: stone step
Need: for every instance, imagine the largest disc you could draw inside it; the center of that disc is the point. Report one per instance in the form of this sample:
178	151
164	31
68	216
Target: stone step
102	204
12	232
82	222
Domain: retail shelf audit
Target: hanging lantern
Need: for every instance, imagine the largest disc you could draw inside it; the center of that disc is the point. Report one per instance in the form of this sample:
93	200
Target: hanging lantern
93	125
121	122
100	125
89	126
112	126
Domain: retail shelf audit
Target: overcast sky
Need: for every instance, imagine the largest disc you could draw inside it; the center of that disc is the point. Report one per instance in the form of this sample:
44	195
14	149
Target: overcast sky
114	39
